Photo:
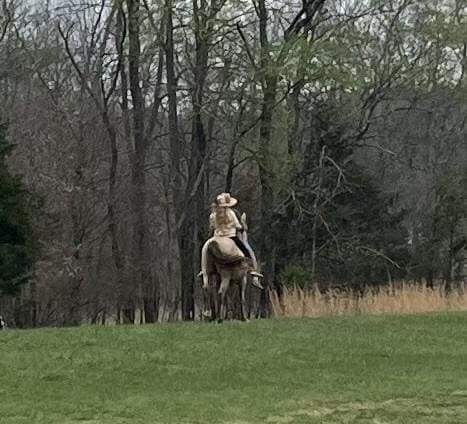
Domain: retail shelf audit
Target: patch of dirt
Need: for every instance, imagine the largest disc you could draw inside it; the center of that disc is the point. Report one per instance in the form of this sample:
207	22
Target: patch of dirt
392	411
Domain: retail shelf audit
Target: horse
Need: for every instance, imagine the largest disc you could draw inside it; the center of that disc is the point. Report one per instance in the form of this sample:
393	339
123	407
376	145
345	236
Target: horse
223	263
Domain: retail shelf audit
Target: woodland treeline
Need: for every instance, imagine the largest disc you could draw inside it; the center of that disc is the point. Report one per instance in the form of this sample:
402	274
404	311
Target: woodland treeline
339	126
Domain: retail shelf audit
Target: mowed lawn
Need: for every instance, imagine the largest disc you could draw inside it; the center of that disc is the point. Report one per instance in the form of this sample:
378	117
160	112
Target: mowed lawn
384	369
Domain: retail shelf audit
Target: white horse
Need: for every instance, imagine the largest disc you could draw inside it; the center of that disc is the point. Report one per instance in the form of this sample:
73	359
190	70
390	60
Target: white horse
223	263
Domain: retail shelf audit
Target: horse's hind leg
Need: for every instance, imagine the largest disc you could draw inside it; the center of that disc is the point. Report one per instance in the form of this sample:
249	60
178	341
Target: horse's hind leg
208	304
225	282
244	283
213	296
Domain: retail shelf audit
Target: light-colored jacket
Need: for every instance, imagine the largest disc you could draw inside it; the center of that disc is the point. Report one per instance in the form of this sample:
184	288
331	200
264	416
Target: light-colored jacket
229	229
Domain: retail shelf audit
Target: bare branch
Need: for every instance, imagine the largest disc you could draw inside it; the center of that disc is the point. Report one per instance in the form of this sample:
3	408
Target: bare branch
7	22
381	255
247	46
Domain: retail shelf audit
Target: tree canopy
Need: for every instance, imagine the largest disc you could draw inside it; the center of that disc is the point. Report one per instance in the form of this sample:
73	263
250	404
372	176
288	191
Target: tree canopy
340	127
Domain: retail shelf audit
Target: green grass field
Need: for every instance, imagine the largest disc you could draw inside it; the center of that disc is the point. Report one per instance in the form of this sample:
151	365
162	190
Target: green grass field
366	369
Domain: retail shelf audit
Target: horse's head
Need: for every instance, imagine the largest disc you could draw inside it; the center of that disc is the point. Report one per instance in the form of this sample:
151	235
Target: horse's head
244	234
243	221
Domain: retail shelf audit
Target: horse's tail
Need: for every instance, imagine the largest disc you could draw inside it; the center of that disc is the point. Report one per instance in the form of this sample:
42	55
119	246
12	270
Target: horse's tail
204	261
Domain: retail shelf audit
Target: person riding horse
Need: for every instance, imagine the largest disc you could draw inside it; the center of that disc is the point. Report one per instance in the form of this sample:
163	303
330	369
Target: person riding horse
224	221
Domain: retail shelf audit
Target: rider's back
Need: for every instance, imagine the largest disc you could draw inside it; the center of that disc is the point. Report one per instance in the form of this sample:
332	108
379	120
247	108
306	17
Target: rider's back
224	222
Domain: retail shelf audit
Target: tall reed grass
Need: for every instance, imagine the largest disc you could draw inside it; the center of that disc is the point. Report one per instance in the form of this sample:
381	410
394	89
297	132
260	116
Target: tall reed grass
393	299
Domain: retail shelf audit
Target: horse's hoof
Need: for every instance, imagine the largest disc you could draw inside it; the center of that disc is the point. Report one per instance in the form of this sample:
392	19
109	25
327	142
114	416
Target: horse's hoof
219	321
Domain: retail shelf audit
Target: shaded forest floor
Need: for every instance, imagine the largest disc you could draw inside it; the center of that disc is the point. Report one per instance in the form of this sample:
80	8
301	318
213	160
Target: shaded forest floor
364	369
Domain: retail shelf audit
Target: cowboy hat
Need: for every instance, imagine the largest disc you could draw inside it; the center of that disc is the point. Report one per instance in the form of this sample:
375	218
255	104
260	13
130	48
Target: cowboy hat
225	200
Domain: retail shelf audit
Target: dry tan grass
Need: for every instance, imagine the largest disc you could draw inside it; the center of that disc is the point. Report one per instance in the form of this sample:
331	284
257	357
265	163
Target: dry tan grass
393	299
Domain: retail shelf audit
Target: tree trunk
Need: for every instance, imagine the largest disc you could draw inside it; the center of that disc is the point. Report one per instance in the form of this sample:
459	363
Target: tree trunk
269	87
197	175
175	153
294	120
140	260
